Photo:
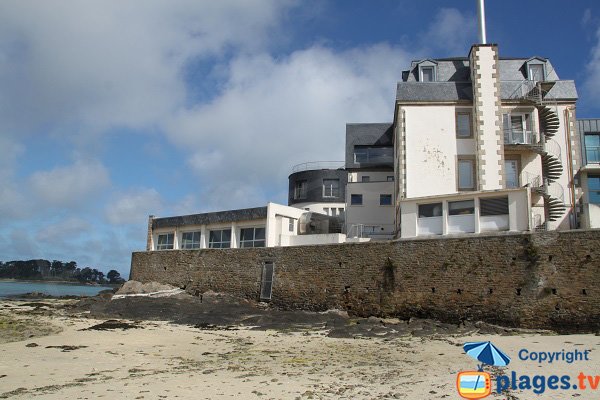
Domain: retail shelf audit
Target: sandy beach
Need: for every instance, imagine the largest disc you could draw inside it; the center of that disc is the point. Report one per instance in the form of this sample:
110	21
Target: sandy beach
47	350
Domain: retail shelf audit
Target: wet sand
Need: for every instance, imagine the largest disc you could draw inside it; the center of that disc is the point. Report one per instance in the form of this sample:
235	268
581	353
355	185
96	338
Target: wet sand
291	356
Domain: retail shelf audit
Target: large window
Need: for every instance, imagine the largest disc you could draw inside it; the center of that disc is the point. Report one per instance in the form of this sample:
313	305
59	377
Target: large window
463	125
427	74
220	239
594	188
518	129
464	207
592	147
190	240
165	241
356	199
430	210
536	72
511	172
385	199
331	187
493	206
374	154
466	173
300	190
252	237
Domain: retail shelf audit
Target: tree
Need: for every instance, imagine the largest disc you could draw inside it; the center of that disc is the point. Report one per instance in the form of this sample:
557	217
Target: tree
114	276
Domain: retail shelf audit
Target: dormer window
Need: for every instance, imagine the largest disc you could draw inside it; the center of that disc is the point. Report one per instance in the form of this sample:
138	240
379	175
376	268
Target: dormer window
427	74
427	71
536	69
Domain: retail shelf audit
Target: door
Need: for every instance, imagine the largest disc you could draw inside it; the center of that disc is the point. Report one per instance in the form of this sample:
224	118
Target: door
511	171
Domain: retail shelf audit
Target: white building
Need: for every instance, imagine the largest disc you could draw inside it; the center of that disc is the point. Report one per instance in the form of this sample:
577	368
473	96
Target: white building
270	226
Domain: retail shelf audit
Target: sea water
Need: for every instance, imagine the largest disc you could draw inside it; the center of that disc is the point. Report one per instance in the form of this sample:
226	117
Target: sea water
12	288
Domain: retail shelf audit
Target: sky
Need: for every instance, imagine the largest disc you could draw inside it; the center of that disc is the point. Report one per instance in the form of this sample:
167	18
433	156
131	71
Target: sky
114	110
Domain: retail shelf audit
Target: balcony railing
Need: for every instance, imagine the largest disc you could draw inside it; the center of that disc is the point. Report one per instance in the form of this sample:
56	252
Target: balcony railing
314	165
521	137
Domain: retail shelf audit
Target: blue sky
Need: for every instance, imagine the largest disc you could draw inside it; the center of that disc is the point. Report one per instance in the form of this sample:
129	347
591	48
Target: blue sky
114	110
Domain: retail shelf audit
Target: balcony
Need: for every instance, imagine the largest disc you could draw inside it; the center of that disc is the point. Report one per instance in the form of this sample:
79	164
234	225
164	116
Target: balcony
521	137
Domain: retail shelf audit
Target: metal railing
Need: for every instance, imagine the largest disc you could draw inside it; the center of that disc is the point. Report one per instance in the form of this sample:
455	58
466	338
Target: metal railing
532	180
356	231
552	147
522	137
556	190
312	165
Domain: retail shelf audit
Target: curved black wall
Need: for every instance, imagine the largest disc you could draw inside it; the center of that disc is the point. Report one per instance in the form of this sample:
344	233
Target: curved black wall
314	182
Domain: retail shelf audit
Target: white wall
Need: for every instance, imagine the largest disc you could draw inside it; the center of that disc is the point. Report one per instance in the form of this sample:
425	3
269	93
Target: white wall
431	150
321	208
278	223
518	219
304	240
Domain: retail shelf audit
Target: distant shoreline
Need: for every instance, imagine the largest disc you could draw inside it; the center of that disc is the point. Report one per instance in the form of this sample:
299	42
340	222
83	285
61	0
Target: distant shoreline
60	282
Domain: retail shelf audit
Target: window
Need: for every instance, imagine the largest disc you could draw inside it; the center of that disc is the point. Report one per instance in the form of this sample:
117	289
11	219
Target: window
190	240
517	129
493	206
373	154
464	207
252	237
390	178
594	189
220	239
536	72
356	199
385	199
291	224
463	125
366	178
341	212
427	74
592	147
326	210
333	212
511	172
430	210
331	187
300	190
165	241
466	173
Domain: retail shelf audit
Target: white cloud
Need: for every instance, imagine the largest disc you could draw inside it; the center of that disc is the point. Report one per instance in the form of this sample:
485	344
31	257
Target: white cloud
592	81
134	207
64	231
275	113
80	66
70	186
450	33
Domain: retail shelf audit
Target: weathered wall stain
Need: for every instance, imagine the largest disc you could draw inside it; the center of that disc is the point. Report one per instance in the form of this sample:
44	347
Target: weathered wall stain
541	280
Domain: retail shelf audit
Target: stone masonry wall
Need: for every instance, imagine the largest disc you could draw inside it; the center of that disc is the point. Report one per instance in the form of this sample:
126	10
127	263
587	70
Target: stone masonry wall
542	280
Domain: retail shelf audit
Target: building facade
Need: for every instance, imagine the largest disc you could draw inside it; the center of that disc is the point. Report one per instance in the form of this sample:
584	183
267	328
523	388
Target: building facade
589	132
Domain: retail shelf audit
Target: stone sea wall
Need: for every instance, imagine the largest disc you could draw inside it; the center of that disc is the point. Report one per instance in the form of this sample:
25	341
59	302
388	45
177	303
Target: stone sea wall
538	280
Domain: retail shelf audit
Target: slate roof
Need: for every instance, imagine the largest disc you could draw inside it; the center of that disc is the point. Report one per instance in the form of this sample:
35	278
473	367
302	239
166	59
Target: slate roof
453	81
367	134
245	214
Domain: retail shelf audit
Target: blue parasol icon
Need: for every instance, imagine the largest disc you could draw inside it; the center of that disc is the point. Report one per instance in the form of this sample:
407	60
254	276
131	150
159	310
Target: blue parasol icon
487	353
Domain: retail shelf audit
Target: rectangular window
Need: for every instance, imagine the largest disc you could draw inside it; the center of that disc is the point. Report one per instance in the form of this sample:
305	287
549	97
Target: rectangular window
331	187
426	74
333	212
252	237
300	190
464	207
219	239
463	125
165	241
356	199
366	178
511	172
536	72
190	240
493	206
385	199
430	210
466	173
592	148
518	129
594	189
374	154
326	210
266	287
291	224
341	212
390	178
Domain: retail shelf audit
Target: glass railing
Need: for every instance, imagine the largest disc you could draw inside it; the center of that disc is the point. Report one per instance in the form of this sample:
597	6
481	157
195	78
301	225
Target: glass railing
520	137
